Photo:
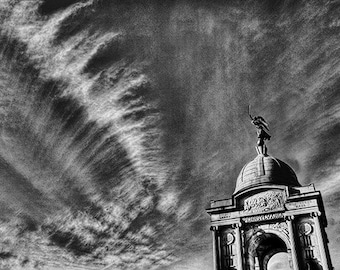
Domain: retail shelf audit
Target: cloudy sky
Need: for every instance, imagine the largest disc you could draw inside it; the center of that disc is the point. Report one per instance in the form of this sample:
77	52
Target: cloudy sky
121	120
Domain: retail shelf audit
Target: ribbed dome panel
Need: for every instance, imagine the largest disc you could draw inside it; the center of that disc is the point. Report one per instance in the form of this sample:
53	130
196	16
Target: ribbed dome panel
264	170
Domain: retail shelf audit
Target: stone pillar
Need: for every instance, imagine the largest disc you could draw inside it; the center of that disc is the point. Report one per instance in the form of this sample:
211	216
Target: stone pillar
238	242
321	241
214	229
219	250
291	230
257	263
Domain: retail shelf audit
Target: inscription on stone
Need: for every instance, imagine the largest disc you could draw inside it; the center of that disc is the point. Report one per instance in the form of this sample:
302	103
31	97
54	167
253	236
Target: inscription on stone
263	217
263	202
302	204
225	215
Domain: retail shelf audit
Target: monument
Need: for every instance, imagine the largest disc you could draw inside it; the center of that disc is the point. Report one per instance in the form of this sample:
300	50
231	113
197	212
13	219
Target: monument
271	222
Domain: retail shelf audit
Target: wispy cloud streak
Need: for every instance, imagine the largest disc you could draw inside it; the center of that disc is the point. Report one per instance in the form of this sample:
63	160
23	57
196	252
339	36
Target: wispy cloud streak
120	121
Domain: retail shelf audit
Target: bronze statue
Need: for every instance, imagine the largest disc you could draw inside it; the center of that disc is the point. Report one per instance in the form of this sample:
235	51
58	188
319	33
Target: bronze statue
261	125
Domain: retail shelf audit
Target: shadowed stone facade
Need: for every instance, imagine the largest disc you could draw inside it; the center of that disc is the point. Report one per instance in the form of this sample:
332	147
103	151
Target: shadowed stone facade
271	222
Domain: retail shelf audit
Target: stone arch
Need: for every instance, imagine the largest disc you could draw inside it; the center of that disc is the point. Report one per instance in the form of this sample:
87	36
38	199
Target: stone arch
262	246
281	235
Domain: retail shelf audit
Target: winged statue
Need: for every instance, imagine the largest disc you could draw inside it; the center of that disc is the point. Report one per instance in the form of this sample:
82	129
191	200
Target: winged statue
261	127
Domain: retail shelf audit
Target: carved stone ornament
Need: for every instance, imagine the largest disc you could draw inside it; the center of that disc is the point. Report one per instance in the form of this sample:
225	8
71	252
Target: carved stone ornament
228	239
278	226
305	228
265	201
264	217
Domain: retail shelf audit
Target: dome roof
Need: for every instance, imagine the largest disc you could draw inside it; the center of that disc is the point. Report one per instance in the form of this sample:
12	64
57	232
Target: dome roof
265	170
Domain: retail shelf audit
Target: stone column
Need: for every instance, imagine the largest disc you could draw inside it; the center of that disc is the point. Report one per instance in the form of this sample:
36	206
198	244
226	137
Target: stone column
289	220
214	229
321	240
238	242
257	263
219	250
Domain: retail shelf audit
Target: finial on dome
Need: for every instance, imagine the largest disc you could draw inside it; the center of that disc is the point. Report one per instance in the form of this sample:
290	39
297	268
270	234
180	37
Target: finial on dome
262	135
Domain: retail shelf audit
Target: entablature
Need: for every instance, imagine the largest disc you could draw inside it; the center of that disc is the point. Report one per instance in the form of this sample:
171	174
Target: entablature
265	204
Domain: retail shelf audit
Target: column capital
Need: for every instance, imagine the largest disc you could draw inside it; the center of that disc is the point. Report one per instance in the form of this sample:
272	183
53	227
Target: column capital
214	228
237	225
315	214
289	218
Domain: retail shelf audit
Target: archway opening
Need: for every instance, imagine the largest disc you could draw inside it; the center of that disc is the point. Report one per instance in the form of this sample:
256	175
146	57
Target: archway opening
279	261
267	251
273	254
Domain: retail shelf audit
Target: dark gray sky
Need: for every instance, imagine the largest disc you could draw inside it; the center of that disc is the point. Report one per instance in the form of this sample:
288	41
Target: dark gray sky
120	120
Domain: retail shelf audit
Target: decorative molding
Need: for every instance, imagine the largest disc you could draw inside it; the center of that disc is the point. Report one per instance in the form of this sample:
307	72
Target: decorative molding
263	217
237	224
289	218
264	202
278	226
316	214
213	228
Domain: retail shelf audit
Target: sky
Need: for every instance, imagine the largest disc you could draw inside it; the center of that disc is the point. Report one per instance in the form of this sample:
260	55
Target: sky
121	120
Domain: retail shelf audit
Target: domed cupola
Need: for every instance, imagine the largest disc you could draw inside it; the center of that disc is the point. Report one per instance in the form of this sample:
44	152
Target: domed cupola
265	170
270	221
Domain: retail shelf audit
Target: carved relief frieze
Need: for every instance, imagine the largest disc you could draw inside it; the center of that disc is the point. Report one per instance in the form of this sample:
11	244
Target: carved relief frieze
264	202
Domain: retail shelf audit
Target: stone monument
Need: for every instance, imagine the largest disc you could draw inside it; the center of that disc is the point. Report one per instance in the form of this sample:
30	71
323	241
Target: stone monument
271	222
